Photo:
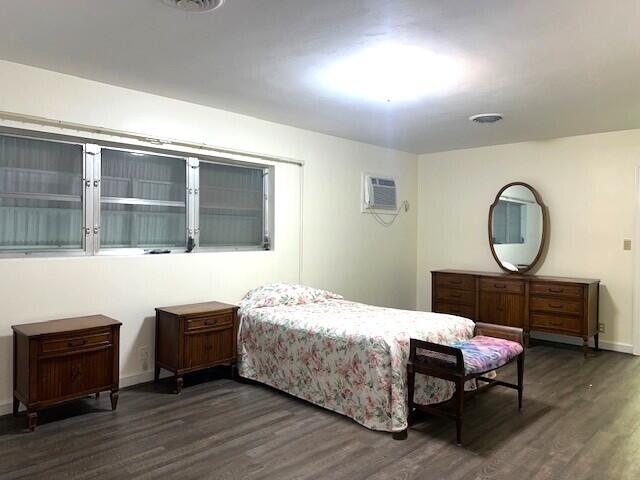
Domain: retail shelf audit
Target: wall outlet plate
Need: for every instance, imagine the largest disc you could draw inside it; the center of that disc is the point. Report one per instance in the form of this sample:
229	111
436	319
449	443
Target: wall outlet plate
144	353
626	244
601	327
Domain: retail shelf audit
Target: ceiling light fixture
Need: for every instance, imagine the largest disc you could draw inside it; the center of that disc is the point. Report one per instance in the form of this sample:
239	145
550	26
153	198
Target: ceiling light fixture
391	72
486	118
194	5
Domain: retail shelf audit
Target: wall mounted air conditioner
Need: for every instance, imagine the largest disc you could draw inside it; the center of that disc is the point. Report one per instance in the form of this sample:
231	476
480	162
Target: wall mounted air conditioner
379	193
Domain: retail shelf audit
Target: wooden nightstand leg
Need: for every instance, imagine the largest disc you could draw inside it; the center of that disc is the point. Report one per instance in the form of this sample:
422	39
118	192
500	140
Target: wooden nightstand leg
16	406
156	374
585	346
114	399
97	395
179	383
32	420
596	340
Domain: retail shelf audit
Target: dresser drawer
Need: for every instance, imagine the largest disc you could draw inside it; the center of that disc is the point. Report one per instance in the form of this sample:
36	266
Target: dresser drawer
556	323
501	286
449	295
555	305
451	280
213	322
467	311
76	342
555	289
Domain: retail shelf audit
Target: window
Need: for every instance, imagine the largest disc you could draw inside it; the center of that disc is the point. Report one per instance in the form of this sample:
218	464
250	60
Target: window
143	200
41	201
74	198
231	209
509	222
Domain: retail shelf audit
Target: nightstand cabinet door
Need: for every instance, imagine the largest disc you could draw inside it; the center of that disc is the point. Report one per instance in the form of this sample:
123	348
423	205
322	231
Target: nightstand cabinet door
202	349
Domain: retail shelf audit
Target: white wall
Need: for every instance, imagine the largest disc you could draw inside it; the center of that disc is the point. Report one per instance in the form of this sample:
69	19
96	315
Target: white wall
588	185
343	249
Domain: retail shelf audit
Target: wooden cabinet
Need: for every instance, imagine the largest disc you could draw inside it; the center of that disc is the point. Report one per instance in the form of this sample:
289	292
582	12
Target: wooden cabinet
61	360
566	306
194	337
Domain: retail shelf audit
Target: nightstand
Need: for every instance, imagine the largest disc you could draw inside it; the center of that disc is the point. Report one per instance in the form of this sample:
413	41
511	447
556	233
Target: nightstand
194	337
62	360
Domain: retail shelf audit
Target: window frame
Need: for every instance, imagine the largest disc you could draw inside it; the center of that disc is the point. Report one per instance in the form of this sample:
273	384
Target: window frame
267	220
85	189
92	198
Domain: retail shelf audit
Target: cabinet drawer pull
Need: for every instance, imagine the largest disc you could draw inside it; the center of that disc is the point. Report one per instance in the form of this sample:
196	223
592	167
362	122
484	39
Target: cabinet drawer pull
499	285
555	324
209	322
553	305
556	290
456	282
455	295
77	343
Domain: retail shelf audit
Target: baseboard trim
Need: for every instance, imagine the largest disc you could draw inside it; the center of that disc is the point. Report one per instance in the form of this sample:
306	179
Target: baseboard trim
6	407
603	344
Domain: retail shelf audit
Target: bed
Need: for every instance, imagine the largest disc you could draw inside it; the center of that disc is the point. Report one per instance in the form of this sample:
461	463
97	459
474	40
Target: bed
344	356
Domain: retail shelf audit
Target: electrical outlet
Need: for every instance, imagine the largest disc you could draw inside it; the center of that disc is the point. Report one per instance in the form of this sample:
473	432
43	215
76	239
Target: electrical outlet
601	327
144	357
626	244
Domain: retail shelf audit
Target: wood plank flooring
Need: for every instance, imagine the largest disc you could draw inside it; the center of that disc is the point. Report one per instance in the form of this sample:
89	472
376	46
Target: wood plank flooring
581	420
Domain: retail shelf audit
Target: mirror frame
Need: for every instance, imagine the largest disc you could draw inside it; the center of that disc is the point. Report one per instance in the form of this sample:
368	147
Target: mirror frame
543	239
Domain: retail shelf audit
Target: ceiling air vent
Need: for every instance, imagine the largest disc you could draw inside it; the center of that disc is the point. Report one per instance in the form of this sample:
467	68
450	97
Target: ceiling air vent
194	5
486	118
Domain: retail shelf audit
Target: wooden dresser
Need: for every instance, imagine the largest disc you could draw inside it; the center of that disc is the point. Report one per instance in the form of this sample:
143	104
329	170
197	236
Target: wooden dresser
566	306
195	337
63	360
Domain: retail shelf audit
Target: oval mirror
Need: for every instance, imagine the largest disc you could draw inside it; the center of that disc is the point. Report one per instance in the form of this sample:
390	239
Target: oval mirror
517	227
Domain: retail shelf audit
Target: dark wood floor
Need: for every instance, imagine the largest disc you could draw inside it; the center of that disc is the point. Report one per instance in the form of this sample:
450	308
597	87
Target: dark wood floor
581	420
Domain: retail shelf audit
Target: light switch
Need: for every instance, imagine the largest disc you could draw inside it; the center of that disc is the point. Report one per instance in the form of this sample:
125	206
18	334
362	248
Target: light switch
626	244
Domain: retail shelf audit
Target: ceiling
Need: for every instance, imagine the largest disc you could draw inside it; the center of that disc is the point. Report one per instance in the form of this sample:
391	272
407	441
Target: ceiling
553	68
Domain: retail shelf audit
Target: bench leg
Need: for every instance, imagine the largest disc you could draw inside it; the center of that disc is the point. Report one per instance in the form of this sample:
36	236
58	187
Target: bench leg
411	378
460	409
520	378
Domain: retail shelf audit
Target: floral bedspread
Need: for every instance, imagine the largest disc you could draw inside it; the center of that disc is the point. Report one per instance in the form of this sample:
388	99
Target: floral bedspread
344	356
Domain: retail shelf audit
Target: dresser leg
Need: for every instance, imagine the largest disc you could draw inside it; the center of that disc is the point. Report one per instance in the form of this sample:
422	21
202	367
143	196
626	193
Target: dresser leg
32	420
97	395
156	374
179	383
585	346
16	406
596	339
114	399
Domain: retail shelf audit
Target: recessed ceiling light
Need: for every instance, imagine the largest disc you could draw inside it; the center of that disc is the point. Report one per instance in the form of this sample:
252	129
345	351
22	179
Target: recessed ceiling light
486	117
391	72
194	5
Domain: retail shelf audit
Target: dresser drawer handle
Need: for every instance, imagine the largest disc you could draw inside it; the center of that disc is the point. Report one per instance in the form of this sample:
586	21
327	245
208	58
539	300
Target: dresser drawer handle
556	290
76	343
455	295
456	282
210	322
555	324
499	285
553	305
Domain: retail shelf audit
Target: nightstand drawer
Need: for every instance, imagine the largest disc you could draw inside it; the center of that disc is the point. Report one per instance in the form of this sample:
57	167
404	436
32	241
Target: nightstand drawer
556	305
202	349
213	322
556	323
75	343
